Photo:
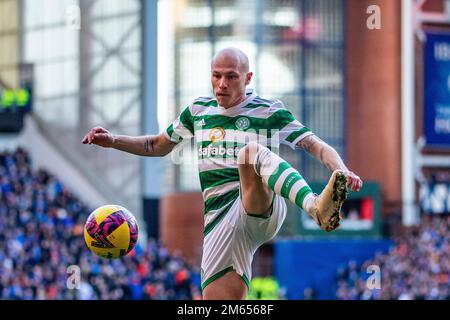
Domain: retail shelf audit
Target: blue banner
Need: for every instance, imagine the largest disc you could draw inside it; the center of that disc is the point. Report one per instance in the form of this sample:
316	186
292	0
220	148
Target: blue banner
437	90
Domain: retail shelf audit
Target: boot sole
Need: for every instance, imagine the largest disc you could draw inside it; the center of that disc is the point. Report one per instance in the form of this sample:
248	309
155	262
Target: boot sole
339	196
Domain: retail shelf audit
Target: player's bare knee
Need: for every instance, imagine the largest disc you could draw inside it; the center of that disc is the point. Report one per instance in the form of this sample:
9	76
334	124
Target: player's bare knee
247	154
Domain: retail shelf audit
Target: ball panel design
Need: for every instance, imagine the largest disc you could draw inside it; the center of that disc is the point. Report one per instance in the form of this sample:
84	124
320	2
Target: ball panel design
103	212
120	237
134	231
111	231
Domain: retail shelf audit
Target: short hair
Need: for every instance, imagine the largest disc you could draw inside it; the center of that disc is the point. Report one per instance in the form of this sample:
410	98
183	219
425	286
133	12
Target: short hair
235	53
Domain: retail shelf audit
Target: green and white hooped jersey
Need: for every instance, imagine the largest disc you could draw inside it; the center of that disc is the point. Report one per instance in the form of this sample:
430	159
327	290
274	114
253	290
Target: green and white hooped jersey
220	133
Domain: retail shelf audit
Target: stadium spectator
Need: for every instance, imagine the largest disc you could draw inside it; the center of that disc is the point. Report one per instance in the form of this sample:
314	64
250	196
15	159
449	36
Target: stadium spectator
417	268
41	234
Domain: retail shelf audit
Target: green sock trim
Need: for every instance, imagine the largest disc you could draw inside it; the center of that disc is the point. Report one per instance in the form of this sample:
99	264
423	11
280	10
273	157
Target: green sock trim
278	171
301	194
290	180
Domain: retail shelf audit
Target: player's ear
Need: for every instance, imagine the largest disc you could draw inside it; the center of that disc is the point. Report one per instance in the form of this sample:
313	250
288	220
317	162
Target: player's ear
248	77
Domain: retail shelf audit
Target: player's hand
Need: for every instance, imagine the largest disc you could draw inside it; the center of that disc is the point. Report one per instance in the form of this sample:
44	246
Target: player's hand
99	136
354	182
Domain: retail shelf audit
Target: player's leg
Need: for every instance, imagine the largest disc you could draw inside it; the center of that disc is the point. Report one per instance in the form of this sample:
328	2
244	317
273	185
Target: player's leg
284	180
229	286
227	257
255	193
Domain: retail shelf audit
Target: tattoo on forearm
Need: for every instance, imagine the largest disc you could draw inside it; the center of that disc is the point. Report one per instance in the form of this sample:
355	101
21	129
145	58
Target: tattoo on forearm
308	143
321	154
148	145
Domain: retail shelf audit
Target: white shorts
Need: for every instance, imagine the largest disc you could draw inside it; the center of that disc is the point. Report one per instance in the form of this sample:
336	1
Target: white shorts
234	240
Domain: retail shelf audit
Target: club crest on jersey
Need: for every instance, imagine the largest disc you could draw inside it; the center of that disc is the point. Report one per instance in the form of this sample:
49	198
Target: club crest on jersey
216	134
242	123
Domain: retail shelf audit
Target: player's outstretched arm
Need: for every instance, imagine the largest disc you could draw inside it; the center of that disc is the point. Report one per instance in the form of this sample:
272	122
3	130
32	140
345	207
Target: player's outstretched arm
150	146
329	158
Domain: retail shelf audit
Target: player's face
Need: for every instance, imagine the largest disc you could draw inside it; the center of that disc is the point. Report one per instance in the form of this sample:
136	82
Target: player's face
229	81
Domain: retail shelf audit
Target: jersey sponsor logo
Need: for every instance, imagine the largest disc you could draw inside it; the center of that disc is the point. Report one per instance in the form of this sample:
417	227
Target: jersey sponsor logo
242	123
216	134
218	151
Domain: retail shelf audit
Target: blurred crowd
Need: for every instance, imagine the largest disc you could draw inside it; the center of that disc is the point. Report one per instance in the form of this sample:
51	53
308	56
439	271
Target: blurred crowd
41	235
416	268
